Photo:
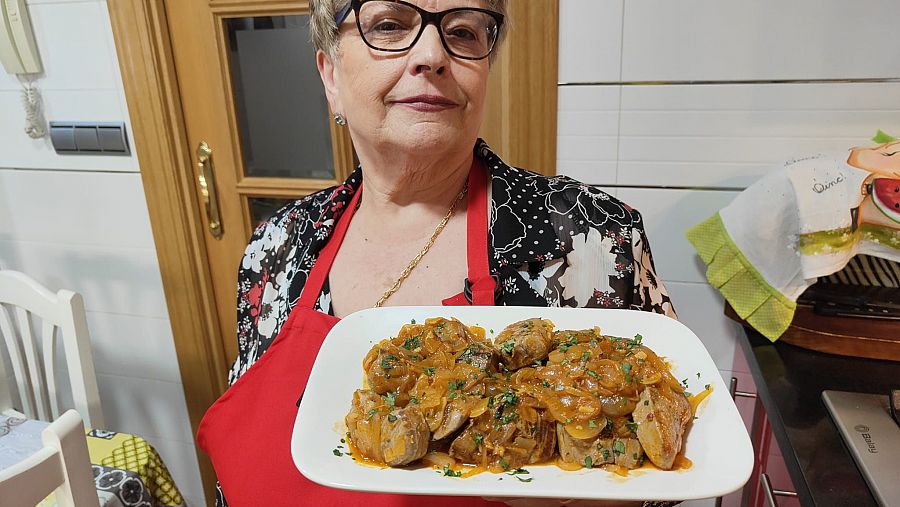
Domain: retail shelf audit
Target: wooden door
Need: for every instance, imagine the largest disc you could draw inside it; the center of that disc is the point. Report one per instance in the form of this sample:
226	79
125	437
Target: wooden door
257	124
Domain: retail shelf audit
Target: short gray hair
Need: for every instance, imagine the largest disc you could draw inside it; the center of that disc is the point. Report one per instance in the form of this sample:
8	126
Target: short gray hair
324	30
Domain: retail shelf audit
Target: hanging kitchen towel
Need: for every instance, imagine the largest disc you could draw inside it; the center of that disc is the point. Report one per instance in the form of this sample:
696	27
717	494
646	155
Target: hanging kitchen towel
803	220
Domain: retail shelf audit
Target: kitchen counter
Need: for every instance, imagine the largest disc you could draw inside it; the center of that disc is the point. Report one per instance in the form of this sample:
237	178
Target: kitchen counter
790	381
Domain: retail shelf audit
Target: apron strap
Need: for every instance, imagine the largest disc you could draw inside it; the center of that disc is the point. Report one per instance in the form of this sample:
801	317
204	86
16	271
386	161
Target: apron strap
480	282
322	266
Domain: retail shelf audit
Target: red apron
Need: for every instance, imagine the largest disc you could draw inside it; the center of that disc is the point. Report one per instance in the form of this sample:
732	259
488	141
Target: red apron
247	432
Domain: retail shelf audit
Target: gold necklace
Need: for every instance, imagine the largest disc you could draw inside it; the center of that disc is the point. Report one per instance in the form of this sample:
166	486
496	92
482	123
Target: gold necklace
412	265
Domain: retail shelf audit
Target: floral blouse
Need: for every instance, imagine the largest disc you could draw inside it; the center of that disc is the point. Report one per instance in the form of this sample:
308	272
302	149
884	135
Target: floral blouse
553	242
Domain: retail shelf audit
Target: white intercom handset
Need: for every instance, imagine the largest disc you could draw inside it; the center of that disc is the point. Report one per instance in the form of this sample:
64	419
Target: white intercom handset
18	51
19	56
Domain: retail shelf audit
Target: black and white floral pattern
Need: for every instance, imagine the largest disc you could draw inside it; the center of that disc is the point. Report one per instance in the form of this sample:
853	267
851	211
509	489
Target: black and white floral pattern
553	242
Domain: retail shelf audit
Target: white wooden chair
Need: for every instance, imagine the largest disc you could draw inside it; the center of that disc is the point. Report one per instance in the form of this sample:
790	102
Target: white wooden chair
62	465
33	361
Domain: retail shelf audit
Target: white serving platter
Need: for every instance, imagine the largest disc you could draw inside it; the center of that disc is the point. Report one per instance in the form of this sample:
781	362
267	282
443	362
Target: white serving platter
717	443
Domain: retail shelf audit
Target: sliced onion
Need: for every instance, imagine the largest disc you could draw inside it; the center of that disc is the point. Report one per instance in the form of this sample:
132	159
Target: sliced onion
582	431
479	408
439	460
556	356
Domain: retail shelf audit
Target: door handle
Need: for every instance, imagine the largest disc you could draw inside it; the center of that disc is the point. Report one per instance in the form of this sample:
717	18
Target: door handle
206	179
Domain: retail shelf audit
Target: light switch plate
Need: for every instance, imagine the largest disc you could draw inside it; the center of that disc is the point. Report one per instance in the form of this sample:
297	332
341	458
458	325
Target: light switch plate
89	138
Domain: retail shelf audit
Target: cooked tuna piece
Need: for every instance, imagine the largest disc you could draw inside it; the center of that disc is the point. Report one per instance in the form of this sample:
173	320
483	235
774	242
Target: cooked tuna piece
522	343
508	436
450	332
455	415
625	452
662	416
388	371
404	436
479	355
364	423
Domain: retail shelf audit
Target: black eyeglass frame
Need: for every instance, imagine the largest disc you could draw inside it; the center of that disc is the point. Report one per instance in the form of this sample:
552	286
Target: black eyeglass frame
428	18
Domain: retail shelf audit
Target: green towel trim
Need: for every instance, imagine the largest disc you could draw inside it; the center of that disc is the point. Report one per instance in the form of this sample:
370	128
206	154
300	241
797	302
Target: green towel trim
761	305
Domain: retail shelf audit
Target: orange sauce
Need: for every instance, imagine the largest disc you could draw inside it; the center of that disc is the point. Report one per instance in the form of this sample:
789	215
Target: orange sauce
695	399
682	463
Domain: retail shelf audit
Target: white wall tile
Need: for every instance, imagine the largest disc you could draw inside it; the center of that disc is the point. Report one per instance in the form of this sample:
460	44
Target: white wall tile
181	460
72	41
764	39
88	208
667	215
112	280
729	135
132	346
17	150
588	128
700	307
590	40
149	408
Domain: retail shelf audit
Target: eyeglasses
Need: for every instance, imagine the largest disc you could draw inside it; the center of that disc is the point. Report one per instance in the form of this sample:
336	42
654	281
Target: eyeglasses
395	26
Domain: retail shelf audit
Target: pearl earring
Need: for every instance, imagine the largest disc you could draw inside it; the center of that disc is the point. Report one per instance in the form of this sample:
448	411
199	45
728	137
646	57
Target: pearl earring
339	119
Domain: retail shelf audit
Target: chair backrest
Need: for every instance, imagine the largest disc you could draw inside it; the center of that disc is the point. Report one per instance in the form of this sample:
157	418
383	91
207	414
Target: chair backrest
22	302
62	465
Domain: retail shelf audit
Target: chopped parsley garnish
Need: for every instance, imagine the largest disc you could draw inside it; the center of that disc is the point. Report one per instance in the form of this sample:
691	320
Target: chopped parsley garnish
392	417
619	447
479	438
413	400
508	347
572	341
343	441
525	479
585	356
637	339
455	385
413	321
592	424
593	373
605	453
706	387
390	398
633	426
503	464
411	343
371	414
518	471
684	383
429	371
545	383
337	453
626	367
646	402
448	472
387	362
508	418
508	397
698	374
588	462
594	342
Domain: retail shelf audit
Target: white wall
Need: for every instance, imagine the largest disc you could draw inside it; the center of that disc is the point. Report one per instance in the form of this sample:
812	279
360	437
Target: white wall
81	223
680	152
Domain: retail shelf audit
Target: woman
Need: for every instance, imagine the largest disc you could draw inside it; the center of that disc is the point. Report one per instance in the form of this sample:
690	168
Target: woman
437	218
